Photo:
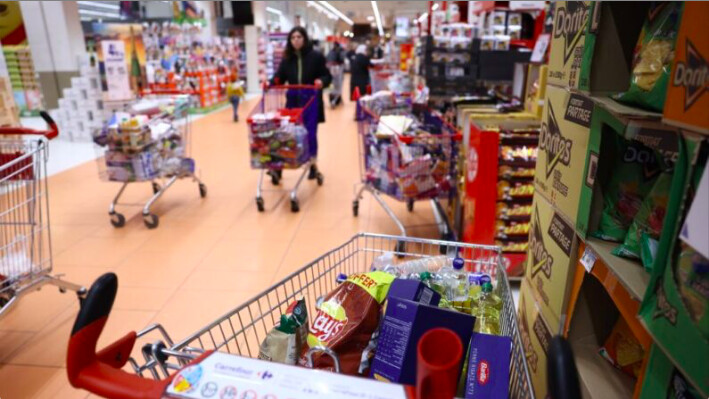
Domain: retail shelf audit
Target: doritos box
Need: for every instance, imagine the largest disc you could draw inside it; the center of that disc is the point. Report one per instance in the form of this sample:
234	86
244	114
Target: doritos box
536	337
567	42
687	101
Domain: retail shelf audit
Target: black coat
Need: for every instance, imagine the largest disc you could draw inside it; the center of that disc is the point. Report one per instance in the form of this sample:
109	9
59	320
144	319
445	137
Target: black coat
312	67
359	69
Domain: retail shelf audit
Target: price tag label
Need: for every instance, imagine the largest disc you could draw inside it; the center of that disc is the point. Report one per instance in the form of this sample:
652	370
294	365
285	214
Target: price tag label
588	259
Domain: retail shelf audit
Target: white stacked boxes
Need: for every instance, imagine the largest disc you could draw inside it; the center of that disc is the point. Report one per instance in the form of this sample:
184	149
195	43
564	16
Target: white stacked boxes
81	108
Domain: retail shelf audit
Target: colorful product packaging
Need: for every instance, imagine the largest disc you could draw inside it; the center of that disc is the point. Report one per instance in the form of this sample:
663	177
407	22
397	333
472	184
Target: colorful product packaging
567	42
488	367
413	290
284	342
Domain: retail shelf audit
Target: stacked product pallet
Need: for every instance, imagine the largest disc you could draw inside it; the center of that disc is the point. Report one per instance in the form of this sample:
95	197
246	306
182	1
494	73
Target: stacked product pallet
27	94
81	109
9	114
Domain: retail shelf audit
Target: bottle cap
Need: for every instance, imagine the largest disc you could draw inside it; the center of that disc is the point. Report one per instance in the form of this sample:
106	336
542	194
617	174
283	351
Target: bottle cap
485	278
458	263
487	287
425	276
341	278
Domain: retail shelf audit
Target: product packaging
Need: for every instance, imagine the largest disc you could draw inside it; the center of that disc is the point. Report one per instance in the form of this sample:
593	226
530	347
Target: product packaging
402	326
488	367
346	322
623	350
567	42
413	290
284	343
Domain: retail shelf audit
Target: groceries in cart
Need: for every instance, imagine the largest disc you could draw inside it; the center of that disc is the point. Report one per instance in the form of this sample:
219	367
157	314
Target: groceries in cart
277	141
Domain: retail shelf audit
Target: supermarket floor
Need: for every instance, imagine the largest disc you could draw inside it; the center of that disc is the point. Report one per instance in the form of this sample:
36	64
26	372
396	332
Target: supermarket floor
206	257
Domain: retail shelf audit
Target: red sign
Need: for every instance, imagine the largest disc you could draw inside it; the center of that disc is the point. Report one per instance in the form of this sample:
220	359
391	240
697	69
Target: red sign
481	6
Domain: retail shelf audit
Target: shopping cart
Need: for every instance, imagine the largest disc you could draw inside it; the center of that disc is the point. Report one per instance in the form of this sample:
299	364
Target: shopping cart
337	72
283	135
25	239
241	330
157	151
420	163
388	77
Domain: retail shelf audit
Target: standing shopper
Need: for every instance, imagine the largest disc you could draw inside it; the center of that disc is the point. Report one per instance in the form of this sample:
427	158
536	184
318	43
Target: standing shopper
335	62
234	92
360	71
302	64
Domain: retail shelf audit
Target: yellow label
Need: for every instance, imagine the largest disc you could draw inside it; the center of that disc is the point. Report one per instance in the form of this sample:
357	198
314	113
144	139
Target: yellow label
375	283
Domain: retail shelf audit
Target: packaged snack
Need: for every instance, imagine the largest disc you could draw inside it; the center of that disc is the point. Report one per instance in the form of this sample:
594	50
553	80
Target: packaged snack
284	343
647	224
653	57
623	350
692	275
347	321
633	175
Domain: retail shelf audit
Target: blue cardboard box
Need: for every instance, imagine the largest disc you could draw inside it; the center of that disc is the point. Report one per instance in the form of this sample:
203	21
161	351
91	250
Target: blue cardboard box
488	367
401	328
414	290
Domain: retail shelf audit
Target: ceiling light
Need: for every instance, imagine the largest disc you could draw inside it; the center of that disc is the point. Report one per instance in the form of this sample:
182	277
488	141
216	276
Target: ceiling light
337	12
99	13
423	16
370	18
378	17
274	11
435	7
99	4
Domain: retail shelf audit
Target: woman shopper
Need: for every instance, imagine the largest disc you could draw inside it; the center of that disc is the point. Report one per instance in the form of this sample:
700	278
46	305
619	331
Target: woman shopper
360	71
302	65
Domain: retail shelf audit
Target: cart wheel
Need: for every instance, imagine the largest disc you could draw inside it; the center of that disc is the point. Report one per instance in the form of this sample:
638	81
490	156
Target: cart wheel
62	290
355	208
400	248
320	178
151	221
156	188
202	190
117	220
410	205
275	178
259	204
294	207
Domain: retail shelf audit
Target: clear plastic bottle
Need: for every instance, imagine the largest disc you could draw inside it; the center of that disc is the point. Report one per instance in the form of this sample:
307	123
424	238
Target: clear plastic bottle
486	312
456	280
413	268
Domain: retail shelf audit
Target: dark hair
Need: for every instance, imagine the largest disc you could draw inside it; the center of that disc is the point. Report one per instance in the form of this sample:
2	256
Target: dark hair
307	45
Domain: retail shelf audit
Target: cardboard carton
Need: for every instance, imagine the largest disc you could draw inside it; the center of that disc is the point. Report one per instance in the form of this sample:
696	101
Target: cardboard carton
488	373
567	42
663	380
536	337
551	260
562	148
687	101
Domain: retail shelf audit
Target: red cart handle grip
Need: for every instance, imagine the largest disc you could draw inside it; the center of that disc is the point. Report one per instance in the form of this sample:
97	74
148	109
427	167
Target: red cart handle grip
51	133
101	373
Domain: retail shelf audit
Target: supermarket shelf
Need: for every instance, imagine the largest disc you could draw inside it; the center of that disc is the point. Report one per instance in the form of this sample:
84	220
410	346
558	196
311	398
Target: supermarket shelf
599	379
630	274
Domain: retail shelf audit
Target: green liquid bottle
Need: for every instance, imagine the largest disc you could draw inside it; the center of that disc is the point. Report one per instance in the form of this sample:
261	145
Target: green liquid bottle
487	314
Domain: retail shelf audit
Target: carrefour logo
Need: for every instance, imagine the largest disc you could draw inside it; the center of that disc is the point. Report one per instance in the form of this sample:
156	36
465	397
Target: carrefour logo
570	23
693	75
556	146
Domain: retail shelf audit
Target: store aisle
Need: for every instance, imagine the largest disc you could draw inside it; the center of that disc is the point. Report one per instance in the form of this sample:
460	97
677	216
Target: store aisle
206	257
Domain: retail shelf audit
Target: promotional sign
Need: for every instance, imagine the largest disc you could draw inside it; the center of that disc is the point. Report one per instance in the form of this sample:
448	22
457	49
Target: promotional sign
114	61
402	27
567	43
131	35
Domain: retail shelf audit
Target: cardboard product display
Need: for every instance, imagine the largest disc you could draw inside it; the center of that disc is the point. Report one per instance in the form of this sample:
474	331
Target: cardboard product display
562	150
551	260
611	36
567	42
687	93
663	310
536	337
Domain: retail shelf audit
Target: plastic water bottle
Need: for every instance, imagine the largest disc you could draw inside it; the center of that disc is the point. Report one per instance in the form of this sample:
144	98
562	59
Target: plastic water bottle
486	312
456	280
413	268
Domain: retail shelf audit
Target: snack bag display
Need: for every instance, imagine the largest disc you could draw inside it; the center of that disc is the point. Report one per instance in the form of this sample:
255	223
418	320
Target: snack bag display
284	342
647	225
623	350
692	275
634	173
653	57
346	322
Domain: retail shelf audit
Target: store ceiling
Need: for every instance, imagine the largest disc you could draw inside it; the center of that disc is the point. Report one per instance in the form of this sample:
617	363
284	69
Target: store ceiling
360	10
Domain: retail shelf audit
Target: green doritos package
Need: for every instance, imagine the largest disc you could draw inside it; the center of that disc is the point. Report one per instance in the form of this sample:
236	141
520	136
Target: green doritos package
632	177
647	224
653	57
692	275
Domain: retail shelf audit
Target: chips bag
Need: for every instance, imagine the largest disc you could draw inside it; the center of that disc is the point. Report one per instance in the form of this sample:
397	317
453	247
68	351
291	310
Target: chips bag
623	350
647	225
653	57
633	175
284	342
692	275
346	322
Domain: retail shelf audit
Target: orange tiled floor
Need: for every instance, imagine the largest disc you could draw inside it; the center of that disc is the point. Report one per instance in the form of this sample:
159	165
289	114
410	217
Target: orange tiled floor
207	255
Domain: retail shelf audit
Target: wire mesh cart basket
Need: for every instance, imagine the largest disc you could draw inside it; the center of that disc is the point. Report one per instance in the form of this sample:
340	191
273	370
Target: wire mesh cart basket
283	135
409	153
151	143
25	239
241	330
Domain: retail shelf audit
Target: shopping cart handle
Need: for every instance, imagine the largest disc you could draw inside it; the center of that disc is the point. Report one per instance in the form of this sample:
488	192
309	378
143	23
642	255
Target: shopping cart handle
101	372
51	133
562	377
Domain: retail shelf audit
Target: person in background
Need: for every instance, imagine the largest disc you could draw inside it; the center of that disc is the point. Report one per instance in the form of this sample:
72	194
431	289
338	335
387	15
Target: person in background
336	55
335	61
234	92
302	65
359	70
